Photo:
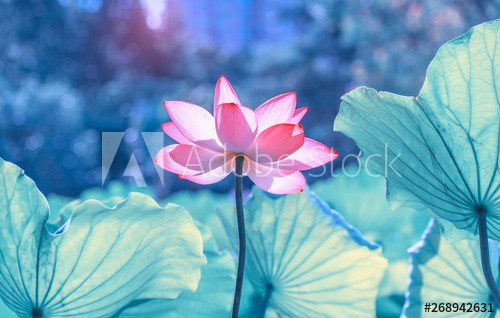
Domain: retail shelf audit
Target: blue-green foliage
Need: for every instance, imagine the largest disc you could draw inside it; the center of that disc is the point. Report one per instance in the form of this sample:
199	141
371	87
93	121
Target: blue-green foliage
6	312
98	260
448	272
360	198
201	204
113	189
214	296
308	257
442	147
57	98
216	287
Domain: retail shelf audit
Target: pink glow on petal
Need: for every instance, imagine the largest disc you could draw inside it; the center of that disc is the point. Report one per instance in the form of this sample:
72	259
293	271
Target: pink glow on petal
198	159
276	143
298	114
164	160
211	176
312	154
270	138
236	126
173	132
277	181
277	110
224	93
194	122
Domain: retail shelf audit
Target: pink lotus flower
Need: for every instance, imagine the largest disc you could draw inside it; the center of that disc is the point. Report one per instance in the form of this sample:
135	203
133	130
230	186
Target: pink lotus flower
270	138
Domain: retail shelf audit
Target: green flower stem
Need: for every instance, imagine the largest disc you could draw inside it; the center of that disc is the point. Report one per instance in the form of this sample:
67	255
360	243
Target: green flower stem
265	301
485	255
241	235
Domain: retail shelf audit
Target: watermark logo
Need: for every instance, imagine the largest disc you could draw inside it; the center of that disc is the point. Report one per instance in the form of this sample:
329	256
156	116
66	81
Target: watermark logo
197	161
152	142
375	165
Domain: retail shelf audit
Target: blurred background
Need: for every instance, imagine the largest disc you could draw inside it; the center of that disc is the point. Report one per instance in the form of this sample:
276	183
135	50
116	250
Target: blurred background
72	69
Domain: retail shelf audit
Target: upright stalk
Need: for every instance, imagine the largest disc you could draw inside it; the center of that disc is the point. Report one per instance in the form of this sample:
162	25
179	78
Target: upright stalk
241	235
485	254
265	301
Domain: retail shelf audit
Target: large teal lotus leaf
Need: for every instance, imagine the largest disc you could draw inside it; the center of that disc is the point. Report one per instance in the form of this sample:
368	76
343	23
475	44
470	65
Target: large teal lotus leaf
391	293
57	202
61	207
109	195
59	221
113	189
311	260
107	259
360	198
213	298
448	272
202	205
6	312
440	150
216	287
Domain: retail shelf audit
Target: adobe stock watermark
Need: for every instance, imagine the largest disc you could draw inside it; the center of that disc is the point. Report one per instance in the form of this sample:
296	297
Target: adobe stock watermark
189	161
375	165
111	143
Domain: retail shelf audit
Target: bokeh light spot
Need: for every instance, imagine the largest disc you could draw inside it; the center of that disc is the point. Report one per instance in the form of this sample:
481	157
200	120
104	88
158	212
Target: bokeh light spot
154	12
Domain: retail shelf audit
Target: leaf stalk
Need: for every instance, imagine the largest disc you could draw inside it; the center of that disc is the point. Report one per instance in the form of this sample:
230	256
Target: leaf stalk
485	254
